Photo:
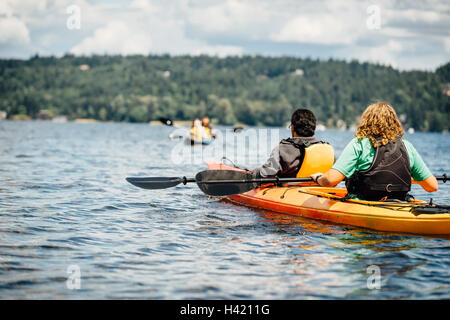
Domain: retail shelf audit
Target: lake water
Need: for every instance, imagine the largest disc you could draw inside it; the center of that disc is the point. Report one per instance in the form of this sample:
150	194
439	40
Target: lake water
67	214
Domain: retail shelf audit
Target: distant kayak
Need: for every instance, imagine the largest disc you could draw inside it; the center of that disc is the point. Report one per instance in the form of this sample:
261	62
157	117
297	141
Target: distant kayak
190	141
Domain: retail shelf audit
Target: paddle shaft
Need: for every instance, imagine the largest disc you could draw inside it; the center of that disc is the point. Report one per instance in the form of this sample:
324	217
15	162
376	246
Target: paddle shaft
185	180
442	178
259	181
219	180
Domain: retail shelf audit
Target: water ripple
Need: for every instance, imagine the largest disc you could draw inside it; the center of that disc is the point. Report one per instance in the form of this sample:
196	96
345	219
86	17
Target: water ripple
64	203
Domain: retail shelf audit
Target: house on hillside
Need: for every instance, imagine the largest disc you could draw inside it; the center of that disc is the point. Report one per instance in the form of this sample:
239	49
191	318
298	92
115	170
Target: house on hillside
446	90
44	115
298	72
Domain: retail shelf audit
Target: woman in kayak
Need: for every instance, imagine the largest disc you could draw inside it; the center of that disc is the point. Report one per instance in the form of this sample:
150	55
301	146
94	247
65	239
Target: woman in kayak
377	163
198	132
301	155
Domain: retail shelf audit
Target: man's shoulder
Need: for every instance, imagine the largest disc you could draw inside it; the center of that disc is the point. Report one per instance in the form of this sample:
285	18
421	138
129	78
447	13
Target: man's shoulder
300	140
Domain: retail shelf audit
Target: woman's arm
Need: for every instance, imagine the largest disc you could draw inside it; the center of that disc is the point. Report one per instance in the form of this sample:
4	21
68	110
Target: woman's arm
430	184
329	179
344	166
420	172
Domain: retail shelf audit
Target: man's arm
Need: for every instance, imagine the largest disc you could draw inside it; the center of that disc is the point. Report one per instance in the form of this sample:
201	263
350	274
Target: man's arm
272	166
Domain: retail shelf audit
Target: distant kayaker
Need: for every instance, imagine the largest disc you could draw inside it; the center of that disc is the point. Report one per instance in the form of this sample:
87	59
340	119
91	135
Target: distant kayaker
378	163
198	132
302	154
210	133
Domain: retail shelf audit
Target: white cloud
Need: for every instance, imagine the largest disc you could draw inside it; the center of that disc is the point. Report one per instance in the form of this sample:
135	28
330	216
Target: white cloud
414	15
381	55
410	34
115	38
385	54
5	8
394	46
310	29
148	28
396	32
447	44
326	23
144	5
24	7
246	19
13	29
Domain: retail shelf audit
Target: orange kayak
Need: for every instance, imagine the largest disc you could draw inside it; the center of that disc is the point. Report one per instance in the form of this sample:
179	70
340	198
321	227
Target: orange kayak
327	204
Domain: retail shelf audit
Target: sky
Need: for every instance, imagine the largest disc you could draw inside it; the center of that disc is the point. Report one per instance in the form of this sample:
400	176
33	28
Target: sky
404	34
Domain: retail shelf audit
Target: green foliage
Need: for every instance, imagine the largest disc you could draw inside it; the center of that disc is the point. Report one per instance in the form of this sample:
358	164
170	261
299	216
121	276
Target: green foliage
252	90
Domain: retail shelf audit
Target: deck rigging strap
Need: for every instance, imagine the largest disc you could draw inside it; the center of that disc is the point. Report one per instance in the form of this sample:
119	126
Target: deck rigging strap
232	163
419	208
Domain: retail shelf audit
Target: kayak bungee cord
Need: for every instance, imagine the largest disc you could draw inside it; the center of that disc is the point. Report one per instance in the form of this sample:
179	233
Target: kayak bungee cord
403	206
233	164
396	205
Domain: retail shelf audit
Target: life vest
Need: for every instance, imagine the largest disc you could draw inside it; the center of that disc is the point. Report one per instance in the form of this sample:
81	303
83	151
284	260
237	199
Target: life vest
197	133
388	177
318	157
314	157
207	133
200	133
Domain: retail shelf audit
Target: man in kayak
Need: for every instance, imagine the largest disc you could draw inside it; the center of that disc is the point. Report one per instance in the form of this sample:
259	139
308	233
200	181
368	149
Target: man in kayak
298	156
210	133
377	163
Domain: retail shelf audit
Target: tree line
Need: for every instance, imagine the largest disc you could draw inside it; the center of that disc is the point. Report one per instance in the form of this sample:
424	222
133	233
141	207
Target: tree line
253	90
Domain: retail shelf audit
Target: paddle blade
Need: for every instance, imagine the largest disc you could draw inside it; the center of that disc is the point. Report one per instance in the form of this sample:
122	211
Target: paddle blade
154	182
224	182
166	121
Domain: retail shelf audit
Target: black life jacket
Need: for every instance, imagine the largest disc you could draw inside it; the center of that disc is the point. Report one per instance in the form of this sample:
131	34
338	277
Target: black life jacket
389	176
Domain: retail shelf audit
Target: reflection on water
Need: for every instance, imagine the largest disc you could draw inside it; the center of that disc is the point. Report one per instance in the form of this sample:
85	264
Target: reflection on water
64	202
356	249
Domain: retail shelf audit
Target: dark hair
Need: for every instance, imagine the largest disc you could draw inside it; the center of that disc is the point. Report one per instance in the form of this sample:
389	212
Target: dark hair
304	122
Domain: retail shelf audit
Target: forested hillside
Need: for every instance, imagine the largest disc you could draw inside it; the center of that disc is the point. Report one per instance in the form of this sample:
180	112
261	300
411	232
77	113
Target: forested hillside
252	90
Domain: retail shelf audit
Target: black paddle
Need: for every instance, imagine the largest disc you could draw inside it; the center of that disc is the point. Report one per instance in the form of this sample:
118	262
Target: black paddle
166	121
213	182
220	182
238	129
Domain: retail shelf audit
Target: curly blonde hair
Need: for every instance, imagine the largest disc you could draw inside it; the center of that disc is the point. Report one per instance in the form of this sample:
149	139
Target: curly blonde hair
380	124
